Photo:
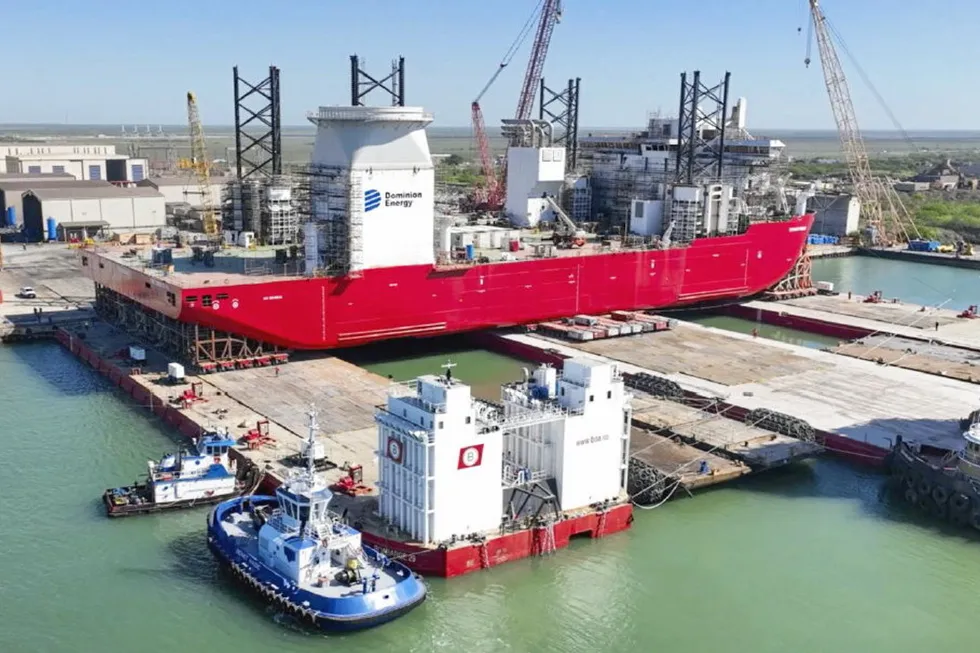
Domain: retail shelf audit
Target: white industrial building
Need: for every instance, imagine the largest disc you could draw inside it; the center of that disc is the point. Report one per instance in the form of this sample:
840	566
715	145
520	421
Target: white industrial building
183	188
13	186
449	465
533	174
96	162
107	208
835	215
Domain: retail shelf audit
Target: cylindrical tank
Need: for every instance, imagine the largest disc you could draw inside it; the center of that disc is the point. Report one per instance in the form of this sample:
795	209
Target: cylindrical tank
52	229
470	252
11	216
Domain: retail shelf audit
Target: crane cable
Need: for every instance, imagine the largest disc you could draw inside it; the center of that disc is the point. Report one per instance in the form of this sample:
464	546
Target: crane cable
511	52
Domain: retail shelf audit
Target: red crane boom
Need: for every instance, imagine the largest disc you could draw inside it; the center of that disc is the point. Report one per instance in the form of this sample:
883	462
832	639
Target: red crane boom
550	15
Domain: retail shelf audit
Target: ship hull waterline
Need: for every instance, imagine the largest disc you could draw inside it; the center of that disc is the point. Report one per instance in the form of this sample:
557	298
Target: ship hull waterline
310	313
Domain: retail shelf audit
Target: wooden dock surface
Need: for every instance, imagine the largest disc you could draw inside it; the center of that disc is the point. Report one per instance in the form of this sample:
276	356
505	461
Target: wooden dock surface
755	446
680	462
858	399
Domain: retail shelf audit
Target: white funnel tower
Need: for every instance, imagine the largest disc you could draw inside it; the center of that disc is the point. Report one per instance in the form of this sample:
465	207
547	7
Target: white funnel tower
375	184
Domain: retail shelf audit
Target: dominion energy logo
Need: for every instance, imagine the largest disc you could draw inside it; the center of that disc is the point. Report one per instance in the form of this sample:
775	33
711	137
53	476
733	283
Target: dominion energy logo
373	199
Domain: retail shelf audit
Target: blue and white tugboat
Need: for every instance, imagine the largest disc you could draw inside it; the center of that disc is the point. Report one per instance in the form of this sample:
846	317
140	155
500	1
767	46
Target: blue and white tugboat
298	554
188	478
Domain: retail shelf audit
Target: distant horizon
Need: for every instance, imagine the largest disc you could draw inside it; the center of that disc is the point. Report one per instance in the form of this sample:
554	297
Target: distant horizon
113	129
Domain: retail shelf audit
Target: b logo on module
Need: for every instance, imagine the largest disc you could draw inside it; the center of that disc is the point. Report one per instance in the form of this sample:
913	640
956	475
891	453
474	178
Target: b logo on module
470	456
372	199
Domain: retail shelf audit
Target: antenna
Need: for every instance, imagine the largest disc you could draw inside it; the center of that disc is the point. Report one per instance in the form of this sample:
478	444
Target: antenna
448	366
310	444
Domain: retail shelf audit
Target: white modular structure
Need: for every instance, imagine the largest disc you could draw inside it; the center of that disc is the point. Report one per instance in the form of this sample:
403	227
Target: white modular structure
835	215
532	173
373	186
439	461
647	217
586	452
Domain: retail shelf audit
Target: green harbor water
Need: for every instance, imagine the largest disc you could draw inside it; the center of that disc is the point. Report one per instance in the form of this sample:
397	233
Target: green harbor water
808	559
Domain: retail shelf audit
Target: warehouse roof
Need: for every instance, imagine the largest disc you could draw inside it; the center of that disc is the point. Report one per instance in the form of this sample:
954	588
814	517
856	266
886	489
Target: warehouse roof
177	180
30	184
45	176
101	192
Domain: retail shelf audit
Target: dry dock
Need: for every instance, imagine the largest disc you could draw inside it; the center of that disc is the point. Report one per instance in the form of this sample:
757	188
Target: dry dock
856	406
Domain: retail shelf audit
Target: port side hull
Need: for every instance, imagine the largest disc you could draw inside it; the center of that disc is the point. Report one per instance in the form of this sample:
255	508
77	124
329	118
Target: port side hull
113	510
385	303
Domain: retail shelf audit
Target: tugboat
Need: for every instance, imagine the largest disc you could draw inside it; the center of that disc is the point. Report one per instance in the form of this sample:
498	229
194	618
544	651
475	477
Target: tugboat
947	486
298	554
202	476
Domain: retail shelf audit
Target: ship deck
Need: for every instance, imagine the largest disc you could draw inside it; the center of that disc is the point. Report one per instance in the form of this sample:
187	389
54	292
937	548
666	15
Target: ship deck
240	528
236	265
854	398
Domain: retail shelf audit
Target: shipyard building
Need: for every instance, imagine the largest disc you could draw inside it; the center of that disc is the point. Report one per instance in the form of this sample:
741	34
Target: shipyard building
95	162
89	211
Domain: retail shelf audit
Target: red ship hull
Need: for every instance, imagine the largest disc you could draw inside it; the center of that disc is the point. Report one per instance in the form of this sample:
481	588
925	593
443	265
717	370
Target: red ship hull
423	300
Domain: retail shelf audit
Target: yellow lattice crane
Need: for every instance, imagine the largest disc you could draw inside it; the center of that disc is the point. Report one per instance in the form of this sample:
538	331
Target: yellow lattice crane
200	163
881	208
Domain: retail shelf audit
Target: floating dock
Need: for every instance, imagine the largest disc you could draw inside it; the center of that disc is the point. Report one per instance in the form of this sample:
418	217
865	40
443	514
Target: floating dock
268	400
711	431
856	407
660	464
926	339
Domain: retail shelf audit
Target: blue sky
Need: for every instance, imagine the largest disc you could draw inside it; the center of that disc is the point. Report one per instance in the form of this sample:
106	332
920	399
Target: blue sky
110	62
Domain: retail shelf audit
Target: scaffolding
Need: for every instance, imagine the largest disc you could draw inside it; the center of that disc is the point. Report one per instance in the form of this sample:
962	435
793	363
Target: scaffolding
202	348
322	197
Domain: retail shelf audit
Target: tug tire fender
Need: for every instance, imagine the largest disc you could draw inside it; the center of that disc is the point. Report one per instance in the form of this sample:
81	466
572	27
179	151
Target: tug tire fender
959	503
940	495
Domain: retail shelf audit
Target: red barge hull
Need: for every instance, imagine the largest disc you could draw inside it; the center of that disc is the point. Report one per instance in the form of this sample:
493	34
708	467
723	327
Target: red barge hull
425	300
496	550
